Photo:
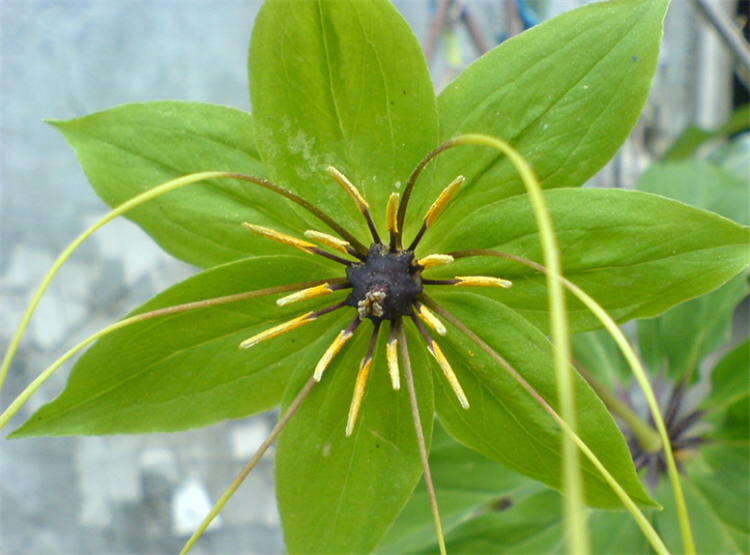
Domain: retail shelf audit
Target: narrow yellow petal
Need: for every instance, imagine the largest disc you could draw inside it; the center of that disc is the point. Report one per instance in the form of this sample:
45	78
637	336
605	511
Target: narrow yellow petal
441	202
328	240
350	189
277	330
426	315
433	260
391	353
449	374
280	237
359	391
482	281
305	294
391	222
327	357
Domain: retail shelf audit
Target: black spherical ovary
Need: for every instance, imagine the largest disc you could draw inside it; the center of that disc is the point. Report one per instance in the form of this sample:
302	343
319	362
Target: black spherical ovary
391	273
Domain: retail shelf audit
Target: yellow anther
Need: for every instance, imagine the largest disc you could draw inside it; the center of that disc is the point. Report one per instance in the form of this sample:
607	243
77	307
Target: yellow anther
359	391
433	260
391	353
482	281
351	190
280	237
328	240
391	222
327	357
277	330
305	294
444	198
449	374
432	320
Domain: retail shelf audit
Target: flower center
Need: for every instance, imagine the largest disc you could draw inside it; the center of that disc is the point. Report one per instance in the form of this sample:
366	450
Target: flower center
385	285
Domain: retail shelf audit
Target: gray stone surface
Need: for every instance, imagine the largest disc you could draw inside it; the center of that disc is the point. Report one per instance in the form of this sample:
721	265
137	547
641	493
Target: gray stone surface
131	494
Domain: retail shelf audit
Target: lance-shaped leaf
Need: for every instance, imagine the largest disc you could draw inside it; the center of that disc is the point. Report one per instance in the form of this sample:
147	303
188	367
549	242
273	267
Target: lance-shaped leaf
505	423
636	254
132	148
679	339
565	93
342	84
340	494
186	370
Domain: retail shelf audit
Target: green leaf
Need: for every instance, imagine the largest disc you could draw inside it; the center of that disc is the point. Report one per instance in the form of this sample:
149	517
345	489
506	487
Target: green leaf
700	184
636	254
132	148
532	524
466	486
565	93
504	423
340	494
342	84
676	342
730	379
721	481
186	370
712	534
693	137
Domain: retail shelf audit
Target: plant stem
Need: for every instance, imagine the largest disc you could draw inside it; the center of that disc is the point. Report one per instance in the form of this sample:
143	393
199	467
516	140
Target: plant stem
409	378
277	429
575	520
648	438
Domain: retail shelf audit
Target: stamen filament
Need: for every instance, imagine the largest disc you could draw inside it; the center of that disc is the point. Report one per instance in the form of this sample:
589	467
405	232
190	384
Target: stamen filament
333	242
359	391
349	188
449	374
433	260
390	213
359	386
278	330
391	352
280	237
430	319
481	281
442	201
357	197
305	294
445	366
470	281
341	339
391	220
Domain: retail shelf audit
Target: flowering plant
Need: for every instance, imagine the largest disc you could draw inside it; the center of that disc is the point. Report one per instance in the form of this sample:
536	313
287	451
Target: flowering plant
343	113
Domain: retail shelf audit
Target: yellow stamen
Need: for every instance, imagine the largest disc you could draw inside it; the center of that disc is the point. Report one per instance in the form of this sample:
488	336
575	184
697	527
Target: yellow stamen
359	391
391	354
433	260
327	357
431	320
350	189
391	222
482	281
277	330
449	374
328	240
305	294
280	237
444	198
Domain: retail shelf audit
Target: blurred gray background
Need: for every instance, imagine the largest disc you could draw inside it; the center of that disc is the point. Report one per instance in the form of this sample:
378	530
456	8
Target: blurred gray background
145	494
